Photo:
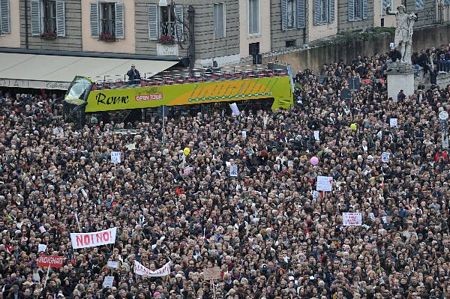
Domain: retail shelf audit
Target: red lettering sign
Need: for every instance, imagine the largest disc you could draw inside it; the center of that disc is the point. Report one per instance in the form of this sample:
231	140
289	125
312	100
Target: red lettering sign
52	261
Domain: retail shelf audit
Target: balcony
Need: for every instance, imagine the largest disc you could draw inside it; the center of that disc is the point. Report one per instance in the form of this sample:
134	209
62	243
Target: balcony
167	43
108	30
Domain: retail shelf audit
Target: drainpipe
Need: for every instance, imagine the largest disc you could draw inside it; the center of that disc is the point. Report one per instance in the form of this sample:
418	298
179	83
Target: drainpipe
191	50
26	25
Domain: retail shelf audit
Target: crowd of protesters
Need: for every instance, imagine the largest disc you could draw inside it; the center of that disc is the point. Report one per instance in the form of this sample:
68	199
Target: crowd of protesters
269	231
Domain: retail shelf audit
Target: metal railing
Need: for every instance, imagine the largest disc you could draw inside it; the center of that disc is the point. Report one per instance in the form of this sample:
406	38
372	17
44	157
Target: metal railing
108	28
49	25
168	29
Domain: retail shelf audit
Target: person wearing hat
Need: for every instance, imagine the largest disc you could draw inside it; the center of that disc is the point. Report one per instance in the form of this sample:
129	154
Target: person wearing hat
134	77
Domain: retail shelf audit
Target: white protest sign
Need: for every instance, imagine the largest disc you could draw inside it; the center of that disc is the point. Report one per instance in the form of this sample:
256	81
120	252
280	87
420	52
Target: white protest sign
317	135
385	157
213	273
234	170
324	183
113	264
131	146
139	269
94	239
115	157
108	281
42	229
352	219
42	248
234	109
393	122
244	134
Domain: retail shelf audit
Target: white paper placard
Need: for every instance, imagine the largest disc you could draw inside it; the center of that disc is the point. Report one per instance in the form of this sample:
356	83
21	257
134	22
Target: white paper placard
42	248
385	157
317	135
108	281
324	183
234	109
393	122
131	146
352	219
244	134
113	264
234	170
115	157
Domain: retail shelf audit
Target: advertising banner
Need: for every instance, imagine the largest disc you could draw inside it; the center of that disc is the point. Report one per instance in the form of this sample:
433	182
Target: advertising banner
277	87
94	239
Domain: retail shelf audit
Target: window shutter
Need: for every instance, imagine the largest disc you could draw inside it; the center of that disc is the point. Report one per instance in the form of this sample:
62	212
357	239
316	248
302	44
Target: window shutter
35	18
351	10
420	4
316	12
61	18
385	4
332	11
365	8
120	33
94	20
283	15
153	22
179	21
5	25
301	14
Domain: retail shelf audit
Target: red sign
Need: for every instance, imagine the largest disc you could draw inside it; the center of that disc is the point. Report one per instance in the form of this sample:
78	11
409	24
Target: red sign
52	261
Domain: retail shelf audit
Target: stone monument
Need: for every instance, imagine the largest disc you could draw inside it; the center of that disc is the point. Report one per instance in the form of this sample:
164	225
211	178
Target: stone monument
400	74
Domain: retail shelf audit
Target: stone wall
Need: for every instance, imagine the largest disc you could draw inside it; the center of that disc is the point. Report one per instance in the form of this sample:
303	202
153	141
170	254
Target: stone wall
348	49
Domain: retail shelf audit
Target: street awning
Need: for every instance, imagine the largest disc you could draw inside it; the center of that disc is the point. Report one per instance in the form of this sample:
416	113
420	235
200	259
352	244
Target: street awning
56	72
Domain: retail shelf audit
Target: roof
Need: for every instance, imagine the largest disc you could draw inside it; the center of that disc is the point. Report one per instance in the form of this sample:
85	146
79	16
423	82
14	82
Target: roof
57	71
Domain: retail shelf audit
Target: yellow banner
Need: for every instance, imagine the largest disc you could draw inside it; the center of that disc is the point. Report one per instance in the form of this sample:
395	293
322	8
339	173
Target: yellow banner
277	88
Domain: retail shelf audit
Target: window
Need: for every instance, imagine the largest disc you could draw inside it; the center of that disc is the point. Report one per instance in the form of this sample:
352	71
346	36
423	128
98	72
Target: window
5	26
420	4
253	17
324	12
165	23
48	18
357	10
219	20
384	5
107	20
291	43
291	15
49	8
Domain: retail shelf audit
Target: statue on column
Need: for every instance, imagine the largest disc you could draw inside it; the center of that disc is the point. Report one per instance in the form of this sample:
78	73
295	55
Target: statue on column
403	32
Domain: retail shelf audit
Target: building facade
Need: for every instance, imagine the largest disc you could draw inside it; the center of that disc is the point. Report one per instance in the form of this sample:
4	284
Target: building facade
209	32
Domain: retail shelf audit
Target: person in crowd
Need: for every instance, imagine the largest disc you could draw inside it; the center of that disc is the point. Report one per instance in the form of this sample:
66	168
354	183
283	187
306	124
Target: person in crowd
134	77
268	230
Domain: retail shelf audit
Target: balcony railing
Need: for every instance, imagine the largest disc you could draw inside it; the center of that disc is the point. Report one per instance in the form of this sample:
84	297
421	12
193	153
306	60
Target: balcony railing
108	32
168	29
49	28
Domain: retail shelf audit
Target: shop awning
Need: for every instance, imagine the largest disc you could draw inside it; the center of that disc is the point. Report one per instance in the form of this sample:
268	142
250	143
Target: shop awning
56	72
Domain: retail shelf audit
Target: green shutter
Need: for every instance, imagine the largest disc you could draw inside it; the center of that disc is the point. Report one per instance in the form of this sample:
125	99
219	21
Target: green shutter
351	10
119	21
332	11
316	12
153	23
301	14
94	19
5	21
35	17
61	18
179	14
283	15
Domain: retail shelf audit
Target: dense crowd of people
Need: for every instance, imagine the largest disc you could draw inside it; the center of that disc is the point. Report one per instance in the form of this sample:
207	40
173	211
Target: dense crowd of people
268	230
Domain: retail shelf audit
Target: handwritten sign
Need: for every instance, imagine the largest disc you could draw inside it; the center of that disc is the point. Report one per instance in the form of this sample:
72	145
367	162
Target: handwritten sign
317	135
50	261
212	273
352	219
140	269
115	157
385	157
324	183
234	170
94	239
42	248
393	122
108	282
113	264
